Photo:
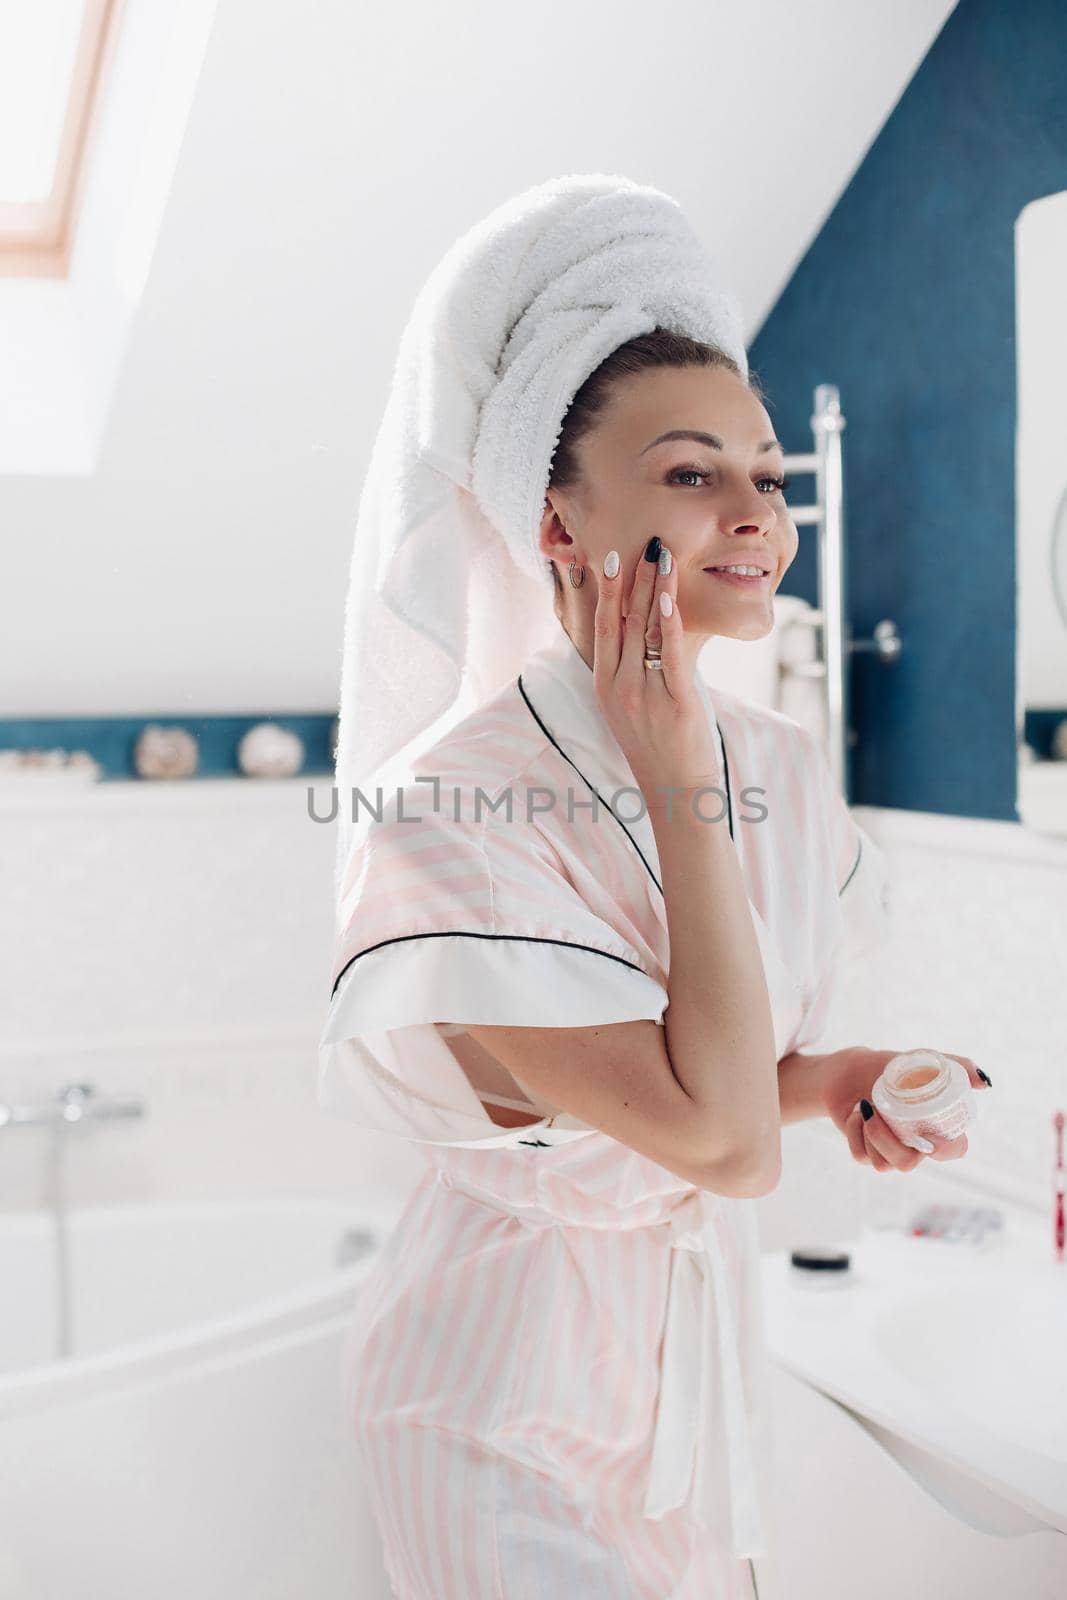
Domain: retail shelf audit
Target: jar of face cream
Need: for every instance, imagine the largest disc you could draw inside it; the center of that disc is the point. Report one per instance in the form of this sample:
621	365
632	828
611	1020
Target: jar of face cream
926	1093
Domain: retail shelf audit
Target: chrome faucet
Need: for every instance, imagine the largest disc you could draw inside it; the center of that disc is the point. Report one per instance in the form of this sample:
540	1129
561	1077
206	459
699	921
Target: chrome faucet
75	1102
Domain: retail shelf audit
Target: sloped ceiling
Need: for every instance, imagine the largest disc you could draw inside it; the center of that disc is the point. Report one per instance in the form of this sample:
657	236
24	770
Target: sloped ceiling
333	152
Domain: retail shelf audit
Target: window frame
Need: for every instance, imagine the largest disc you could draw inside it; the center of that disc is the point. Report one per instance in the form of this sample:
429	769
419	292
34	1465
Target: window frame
36	237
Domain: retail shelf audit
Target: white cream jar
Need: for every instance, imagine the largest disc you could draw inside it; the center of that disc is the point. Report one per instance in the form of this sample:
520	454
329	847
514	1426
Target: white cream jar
924	1093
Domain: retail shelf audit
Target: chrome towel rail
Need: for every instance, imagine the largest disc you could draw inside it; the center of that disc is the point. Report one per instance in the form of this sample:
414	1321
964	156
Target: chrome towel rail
836	646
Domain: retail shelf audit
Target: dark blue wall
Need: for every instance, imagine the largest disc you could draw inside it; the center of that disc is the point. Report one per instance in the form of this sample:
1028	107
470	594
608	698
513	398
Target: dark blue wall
906	301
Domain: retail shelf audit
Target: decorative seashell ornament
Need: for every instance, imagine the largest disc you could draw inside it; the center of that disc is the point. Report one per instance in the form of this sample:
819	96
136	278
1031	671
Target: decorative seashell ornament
267	751
165	752
35	765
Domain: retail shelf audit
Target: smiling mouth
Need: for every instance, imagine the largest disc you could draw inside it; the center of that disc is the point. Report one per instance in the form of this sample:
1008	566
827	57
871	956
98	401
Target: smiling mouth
752	578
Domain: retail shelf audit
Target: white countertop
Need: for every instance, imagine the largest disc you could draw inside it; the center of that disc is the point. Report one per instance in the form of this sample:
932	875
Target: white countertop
955	1350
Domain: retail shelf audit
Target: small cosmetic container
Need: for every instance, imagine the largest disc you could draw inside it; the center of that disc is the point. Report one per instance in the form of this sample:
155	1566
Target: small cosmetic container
924	1093
820	1268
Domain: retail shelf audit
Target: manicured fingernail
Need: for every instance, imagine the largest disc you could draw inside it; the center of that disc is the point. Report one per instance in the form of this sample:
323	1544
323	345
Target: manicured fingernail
866	1110
664	561
666	604
652	548
611	564
923	1144
984	1076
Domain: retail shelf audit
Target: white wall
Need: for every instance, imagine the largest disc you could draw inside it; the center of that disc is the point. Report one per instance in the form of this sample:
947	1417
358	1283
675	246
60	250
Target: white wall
1040	464
333	152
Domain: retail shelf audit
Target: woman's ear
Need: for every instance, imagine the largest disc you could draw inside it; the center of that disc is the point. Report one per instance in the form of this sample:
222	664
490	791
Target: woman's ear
555	541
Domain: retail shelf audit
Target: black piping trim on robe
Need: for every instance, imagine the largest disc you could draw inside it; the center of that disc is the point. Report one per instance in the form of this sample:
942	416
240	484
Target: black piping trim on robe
852	874
555	742
461	933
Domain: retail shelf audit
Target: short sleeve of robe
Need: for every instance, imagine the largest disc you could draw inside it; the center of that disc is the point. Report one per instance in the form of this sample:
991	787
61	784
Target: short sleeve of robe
456	922
863	888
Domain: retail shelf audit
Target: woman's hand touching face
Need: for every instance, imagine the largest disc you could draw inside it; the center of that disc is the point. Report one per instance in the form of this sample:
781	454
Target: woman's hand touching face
656	714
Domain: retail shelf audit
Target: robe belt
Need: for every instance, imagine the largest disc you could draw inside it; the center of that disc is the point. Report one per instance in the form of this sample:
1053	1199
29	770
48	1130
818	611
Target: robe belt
702	1450
702	1445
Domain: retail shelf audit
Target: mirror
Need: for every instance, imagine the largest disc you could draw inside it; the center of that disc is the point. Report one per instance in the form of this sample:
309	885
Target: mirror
1041	521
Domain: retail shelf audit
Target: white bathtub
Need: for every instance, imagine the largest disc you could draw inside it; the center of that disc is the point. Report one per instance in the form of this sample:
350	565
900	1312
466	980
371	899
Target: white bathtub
193	1447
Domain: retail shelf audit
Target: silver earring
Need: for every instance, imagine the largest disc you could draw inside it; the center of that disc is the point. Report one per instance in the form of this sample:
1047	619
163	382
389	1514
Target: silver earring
576	583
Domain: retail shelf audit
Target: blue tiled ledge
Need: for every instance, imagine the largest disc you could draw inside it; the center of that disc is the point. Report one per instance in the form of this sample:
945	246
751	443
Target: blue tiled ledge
110	740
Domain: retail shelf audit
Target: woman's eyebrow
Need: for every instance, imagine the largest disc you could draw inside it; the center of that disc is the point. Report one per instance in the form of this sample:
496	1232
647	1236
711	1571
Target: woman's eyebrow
706	438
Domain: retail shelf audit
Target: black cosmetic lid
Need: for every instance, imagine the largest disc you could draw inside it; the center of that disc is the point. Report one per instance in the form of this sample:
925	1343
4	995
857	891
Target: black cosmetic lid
820	1260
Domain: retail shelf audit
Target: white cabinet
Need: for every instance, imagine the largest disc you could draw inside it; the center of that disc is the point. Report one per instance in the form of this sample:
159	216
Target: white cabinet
850	1521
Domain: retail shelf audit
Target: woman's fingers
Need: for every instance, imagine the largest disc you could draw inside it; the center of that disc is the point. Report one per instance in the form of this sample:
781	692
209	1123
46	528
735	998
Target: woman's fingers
637	615
670	633
973	1072
882	1141
857	1143
607	620
653	631
875	1141
947	1149
664	574
854	1134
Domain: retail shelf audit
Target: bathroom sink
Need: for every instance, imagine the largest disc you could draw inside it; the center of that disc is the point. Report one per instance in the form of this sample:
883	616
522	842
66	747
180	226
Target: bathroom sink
995	1351
952	1356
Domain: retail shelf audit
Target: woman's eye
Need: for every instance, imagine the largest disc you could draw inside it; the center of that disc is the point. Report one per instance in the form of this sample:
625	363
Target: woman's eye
778	485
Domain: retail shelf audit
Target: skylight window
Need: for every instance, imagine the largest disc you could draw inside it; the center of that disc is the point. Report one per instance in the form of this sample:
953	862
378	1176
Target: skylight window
51	55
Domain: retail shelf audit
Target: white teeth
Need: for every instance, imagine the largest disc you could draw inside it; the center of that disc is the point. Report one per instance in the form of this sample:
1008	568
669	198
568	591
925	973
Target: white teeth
746	571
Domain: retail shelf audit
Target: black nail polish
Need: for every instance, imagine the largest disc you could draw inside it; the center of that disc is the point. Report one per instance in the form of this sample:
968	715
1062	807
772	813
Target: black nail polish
984	1076
866	1110
652	548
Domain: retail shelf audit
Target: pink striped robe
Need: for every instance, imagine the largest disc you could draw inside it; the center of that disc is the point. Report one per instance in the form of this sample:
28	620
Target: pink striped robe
556	1373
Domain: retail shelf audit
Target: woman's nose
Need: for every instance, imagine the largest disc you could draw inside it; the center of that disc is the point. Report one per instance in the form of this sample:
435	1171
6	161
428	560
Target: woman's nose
751	517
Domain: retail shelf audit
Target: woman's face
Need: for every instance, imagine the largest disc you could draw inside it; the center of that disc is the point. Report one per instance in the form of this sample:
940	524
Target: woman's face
713	502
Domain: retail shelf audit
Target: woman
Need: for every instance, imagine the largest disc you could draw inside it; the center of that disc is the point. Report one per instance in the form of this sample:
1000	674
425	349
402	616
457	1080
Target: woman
579	950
